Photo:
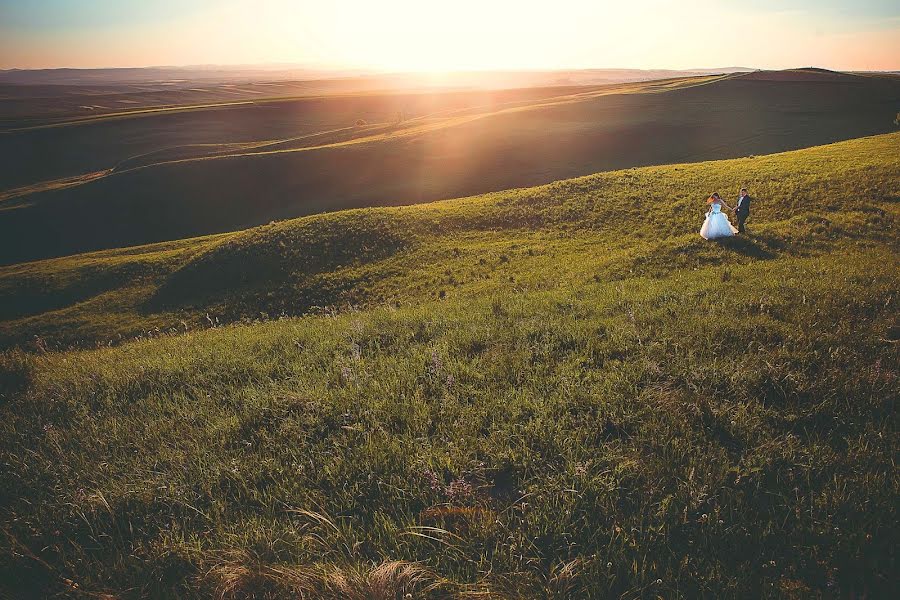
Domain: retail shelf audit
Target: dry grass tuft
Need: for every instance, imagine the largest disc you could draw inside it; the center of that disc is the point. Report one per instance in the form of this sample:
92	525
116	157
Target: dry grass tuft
387	581
242	577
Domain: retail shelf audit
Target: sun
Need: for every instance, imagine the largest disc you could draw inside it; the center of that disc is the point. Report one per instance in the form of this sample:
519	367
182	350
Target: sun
433	37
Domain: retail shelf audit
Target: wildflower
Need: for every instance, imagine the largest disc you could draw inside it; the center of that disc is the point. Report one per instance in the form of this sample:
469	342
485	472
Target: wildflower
459	489
436	363
433	482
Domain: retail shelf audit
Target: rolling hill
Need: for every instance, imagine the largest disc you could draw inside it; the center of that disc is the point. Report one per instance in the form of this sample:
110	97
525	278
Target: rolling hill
93	189
45	96
376	255
559	391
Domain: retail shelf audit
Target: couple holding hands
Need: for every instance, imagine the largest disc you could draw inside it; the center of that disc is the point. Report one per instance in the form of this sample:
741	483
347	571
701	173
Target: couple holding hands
717	224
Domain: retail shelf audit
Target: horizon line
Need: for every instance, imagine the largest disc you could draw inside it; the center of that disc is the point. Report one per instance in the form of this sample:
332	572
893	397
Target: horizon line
371	70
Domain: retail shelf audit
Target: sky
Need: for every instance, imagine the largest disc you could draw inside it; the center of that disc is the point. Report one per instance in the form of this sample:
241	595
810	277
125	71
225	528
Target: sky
426	35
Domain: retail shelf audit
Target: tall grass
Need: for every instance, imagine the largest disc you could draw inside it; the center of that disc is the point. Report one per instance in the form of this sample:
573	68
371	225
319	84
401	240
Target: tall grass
612	410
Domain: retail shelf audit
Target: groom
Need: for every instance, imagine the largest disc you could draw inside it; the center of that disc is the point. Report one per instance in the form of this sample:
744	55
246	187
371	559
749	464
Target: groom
742	210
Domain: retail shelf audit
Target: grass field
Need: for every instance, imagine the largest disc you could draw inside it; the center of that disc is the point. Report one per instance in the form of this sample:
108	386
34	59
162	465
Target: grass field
558	391
144	179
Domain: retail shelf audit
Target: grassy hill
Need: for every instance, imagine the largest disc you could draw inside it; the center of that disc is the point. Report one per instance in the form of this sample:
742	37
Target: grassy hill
597	227
146	179
559	391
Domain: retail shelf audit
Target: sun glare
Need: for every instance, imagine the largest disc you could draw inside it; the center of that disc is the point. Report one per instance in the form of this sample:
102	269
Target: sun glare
409	35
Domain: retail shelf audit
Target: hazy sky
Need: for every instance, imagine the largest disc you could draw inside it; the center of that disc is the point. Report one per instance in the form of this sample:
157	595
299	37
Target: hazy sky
456	34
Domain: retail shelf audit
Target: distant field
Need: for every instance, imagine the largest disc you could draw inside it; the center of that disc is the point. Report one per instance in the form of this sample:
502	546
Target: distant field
451	145
73	147
53	95
550	392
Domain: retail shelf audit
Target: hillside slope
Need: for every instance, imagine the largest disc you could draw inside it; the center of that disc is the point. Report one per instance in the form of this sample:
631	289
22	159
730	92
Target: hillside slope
552	392
451	155
604	226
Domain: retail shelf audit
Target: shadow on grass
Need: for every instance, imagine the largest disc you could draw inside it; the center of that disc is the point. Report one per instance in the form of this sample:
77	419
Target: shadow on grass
284	266
753	246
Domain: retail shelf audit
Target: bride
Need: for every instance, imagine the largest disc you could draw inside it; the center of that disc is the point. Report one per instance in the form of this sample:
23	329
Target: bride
716	224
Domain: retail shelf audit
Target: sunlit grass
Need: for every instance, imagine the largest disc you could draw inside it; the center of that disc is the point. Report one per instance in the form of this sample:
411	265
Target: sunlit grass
596	228
555	392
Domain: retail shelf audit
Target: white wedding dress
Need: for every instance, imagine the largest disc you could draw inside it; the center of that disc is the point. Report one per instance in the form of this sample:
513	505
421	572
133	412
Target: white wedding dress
716	224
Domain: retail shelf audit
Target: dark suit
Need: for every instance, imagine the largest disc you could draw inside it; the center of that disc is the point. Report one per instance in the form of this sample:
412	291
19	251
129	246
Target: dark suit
742	211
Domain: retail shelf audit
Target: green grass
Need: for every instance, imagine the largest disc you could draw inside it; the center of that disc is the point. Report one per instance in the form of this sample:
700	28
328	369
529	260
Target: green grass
549	392
602	227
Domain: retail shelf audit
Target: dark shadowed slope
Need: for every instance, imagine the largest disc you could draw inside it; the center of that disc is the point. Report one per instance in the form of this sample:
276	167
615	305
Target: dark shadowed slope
448	157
